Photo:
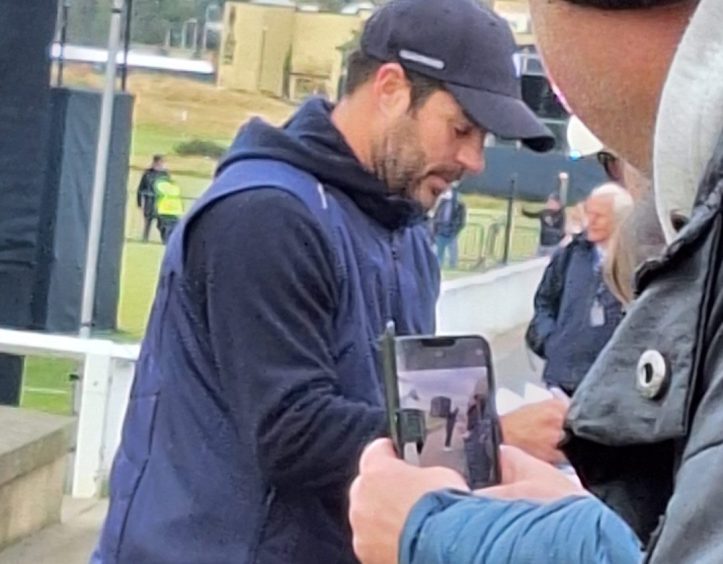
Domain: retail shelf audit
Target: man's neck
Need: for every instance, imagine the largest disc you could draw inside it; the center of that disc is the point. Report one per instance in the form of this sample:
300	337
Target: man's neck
356	132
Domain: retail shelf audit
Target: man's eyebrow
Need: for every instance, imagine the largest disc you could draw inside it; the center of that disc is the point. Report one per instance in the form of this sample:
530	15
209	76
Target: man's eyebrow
468	119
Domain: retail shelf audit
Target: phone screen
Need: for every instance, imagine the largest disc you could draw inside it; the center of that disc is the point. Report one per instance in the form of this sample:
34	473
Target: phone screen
447	414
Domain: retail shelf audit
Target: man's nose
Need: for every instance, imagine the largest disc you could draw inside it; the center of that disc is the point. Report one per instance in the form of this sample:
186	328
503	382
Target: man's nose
472	158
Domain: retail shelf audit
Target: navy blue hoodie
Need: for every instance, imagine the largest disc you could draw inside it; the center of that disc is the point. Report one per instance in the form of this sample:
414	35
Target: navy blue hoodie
259	378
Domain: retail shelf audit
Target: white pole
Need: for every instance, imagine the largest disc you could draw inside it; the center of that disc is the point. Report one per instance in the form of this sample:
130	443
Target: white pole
564	188
101	166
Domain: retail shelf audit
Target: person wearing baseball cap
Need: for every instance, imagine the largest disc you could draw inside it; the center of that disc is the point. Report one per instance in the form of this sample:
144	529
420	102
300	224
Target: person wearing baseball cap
259	381
469	50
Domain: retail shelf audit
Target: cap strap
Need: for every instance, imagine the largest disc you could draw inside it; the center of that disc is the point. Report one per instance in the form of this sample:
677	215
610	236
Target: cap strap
415	57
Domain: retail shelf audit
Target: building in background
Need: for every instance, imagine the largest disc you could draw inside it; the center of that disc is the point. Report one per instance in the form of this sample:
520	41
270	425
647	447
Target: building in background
517	14
291	50
284	50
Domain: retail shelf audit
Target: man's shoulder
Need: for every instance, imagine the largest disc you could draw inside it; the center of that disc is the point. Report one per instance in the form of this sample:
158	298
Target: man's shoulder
264	201
255	222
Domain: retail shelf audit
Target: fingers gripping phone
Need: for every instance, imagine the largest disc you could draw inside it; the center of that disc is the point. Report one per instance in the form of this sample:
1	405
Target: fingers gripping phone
440	397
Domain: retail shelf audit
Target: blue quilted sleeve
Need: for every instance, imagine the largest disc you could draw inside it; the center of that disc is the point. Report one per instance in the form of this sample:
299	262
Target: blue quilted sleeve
455	528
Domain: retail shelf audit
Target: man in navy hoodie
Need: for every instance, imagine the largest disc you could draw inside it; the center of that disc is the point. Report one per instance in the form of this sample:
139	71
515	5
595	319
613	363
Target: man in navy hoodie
258	383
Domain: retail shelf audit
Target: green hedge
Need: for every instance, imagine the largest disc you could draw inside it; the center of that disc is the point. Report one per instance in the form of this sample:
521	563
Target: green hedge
200	147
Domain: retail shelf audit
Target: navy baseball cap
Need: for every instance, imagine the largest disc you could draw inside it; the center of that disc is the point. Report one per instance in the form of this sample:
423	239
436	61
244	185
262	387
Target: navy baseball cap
468	48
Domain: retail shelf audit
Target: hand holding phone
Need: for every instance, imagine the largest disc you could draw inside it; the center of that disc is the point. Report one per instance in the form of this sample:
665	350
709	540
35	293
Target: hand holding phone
441	404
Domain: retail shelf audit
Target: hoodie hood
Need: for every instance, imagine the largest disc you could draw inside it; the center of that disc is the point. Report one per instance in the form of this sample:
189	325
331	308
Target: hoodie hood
311	142
690	117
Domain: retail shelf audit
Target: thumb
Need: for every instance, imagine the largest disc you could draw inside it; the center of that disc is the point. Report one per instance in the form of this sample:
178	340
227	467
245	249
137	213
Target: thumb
376	452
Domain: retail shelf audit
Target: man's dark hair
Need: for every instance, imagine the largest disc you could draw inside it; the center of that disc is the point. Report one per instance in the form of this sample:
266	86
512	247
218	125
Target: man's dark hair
624	4
361	68
157	159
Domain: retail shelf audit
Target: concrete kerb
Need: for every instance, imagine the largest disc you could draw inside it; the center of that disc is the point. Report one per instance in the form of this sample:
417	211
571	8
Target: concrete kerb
33	447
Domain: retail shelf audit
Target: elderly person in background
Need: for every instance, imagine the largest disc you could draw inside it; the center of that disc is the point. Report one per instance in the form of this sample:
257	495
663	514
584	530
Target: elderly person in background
575	311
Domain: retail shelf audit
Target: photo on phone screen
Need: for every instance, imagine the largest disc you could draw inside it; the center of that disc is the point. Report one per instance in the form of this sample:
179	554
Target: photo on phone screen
447	414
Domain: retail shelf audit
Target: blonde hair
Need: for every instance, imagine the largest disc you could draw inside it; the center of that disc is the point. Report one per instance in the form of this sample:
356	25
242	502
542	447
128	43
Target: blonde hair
637	238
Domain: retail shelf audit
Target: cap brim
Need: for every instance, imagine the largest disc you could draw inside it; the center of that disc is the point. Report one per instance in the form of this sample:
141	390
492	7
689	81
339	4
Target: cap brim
505	116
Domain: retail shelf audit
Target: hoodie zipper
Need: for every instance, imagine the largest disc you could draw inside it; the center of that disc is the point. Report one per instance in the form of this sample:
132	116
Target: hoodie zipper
395	290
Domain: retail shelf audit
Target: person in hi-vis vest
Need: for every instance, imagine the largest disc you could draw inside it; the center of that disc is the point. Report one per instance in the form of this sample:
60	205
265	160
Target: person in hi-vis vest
169	206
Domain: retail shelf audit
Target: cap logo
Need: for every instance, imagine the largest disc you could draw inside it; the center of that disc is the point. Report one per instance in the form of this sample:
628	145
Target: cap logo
415	57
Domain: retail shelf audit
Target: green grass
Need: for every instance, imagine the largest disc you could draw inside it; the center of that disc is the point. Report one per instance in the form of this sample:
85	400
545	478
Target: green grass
46	386
141	264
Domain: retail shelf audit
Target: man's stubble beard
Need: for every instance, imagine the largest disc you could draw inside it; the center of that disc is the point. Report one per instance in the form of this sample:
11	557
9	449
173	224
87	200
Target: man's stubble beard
398	160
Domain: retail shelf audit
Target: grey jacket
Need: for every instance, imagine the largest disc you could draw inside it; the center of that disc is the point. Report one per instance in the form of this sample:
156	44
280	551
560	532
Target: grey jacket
645	429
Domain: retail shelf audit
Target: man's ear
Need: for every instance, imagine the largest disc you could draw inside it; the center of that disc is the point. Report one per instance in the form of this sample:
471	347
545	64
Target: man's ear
392	91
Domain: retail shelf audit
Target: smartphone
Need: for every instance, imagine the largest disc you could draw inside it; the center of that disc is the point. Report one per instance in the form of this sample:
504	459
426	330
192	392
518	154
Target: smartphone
441	405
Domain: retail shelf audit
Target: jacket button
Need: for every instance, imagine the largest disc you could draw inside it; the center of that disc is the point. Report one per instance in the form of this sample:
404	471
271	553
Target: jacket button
652	374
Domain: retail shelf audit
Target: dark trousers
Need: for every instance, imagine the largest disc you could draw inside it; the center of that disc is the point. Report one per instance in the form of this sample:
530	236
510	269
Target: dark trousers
166	225
148	205
147	222
444	244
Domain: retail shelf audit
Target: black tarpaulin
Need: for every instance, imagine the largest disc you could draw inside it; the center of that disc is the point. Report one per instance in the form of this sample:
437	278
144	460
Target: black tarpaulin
76	114
538	175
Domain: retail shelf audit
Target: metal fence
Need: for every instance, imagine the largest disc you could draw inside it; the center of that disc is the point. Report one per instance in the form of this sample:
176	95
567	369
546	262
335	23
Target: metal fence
482	242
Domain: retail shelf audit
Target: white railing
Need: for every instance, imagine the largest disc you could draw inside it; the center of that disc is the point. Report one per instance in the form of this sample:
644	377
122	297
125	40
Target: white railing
106	377
491	303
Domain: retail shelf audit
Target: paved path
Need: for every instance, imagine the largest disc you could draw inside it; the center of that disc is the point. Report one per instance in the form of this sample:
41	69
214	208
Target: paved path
68	543
72	541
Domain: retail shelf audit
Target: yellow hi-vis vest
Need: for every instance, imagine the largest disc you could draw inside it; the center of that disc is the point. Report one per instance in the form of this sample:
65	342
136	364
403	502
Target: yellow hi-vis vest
168	198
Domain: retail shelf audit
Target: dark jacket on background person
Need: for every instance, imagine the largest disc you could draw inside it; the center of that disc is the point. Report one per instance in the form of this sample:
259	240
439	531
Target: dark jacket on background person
552	225
449	217
562	330
146	195
259	378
